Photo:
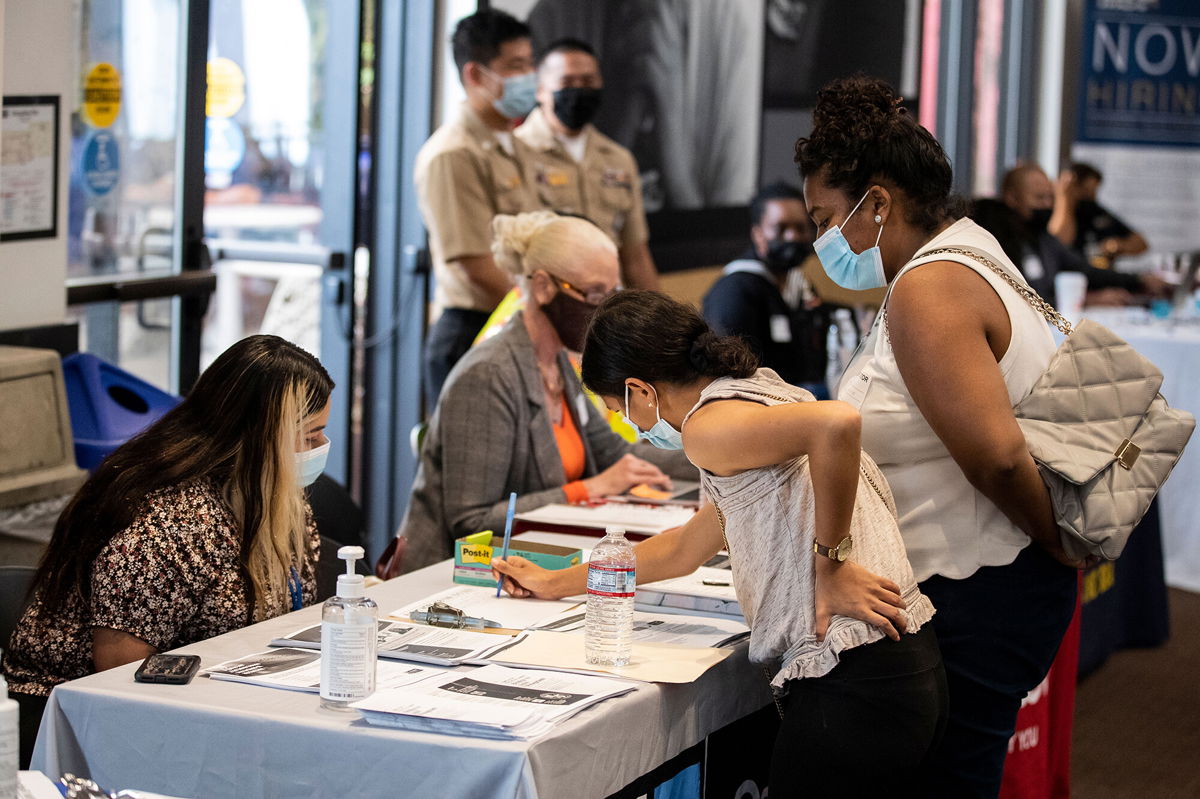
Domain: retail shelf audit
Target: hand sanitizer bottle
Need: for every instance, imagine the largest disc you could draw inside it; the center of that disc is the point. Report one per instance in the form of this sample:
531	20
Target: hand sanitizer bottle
349	639
10	745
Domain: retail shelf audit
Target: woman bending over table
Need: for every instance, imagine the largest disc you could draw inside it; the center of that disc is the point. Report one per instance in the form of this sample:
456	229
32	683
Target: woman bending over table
512	415
195	527
818	563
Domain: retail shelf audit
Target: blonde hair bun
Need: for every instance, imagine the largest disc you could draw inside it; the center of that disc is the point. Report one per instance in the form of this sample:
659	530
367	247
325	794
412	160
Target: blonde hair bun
512	236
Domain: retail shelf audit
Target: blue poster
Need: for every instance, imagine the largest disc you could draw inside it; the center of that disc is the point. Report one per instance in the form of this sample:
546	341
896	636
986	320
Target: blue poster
101	164
224	145
1140	73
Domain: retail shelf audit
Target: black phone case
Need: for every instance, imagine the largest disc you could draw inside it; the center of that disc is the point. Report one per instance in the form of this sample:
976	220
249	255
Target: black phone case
168	669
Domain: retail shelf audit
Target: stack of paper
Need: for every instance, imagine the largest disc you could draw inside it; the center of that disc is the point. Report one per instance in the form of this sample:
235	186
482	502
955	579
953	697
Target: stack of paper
636	518
490	702
416	642
300	670
706	590
648	662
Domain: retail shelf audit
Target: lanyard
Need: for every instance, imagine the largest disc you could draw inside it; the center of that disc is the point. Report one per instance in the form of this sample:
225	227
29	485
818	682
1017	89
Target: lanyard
294	589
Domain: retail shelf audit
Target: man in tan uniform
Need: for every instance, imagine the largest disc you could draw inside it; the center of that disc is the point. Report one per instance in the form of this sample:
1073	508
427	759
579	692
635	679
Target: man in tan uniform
469	170
575	168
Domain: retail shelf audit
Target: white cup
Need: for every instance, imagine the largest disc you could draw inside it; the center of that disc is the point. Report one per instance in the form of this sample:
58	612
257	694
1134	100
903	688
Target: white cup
1070	289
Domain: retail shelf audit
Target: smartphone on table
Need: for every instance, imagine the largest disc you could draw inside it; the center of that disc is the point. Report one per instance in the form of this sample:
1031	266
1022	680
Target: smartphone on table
170	669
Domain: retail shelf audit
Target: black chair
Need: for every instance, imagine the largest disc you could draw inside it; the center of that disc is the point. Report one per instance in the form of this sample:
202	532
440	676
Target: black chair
15	582
341	522
336	513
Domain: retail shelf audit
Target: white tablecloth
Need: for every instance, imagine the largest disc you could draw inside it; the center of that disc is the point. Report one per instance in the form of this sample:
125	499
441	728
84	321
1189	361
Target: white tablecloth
224	739
1175	349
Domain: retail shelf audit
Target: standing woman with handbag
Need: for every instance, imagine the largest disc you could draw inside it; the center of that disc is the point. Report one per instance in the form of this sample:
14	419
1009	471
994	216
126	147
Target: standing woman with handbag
953	349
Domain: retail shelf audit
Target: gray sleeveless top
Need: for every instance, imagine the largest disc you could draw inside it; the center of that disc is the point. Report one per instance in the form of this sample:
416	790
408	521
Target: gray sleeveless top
769	522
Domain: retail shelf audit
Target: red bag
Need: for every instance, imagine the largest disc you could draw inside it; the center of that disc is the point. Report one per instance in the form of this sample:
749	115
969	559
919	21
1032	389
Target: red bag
1039	753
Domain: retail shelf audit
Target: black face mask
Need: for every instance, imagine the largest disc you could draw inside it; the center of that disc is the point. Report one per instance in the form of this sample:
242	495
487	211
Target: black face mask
576	107
569	317
1087	209
1039	218
783	256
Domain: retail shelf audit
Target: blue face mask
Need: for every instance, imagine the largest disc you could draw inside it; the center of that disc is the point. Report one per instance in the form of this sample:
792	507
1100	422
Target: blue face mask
661	435
519	95
851	270
310	464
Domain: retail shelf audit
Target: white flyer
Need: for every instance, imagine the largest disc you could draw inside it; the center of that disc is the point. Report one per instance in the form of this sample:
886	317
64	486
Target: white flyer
489	702
300	670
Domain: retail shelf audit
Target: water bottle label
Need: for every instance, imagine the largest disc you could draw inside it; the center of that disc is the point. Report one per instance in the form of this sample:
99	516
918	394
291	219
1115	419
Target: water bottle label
618	581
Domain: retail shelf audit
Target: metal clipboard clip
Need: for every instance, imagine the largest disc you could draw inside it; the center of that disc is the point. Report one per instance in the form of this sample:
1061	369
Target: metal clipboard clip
439	614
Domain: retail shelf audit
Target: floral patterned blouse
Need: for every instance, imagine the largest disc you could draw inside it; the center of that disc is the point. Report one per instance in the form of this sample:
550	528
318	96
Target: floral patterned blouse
171	578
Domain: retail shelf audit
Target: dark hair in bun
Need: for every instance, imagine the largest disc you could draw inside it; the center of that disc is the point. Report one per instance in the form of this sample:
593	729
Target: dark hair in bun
648	335
861	134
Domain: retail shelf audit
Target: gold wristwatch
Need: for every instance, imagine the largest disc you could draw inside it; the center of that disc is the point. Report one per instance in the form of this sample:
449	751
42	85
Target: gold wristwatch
839	553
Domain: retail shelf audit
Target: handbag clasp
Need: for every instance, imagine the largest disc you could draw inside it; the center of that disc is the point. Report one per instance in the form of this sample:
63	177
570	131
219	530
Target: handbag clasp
1127	454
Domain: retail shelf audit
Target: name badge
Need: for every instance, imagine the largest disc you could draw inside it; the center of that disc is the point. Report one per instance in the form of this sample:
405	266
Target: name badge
854	390
781	329
555	178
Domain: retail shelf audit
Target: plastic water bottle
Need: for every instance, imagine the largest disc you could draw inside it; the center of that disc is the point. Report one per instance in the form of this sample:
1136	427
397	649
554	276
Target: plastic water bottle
349	639
608	626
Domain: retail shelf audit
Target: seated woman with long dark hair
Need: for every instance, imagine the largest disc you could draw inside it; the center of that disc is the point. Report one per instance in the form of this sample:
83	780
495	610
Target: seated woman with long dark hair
818	563
195	527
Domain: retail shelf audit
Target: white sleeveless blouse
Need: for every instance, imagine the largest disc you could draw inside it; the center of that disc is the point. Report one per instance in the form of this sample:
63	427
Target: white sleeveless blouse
949	528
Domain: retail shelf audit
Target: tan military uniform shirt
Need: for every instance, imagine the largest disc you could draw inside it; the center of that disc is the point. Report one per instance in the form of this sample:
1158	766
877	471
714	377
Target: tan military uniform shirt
464	177
604	186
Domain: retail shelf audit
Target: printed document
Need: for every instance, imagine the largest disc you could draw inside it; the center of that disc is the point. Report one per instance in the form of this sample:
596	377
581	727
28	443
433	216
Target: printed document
300	670
416	642
489	702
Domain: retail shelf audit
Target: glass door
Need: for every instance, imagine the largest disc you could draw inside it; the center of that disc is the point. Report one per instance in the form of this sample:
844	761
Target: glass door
279	176
124	177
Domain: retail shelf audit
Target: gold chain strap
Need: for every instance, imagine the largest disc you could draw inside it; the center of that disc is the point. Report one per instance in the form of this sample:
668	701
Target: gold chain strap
1032	297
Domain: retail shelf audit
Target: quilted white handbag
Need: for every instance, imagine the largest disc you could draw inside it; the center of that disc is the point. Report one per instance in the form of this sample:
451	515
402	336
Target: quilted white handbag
1103	437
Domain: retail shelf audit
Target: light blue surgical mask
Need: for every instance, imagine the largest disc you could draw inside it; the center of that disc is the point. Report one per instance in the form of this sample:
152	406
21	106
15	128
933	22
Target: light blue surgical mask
310	464
851	270
661	435
519	95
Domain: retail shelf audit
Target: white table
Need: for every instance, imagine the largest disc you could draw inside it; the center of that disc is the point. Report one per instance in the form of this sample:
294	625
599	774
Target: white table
1174	347
217	739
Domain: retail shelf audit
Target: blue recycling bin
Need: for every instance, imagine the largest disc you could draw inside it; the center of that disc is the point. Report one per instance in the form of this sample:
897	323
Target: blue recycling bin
108	406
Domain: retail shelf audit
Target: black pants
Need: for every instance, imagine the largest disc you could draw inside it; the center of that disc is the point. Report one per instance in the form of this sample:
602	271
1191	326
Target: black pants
866	729
999	631
449	339
31	708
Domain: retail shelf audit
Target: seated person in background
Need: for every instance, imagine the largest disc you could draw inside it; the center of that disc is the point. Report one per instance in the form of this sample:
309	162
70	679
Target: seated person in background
1019	224
1090	228
512	415
195	527
747	299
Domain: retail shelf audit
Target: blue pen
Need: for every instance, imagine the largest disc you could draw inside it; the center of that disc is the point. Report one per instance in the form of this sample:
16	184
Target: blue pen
508	519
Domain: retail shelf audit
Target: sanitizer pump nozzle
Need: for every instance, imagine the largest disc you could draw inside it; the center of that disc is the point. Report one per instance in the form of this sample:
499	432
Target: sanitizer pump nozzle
350	584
